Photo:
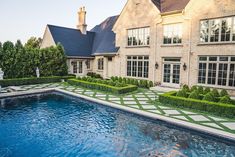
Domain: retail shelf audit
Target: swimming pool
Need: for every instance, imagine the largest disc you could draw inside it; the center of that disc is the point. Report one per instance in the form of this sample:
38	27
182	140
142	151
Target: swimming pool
54	124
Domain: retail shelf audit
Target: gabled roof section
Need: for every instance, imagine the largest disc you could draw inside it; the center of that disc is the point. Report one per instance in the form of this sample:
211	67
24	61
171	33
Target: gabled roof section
170	5
104	41
74	42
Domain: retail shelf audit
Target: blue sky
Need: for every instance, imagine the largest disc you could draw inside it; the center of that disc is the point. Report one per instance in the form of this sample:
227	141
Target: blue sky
21	19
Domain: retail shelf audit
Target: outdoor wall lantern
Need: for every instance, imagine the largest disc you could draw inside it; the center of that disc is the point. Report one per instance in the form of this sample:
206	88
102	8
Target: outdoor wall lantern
184	66
156	65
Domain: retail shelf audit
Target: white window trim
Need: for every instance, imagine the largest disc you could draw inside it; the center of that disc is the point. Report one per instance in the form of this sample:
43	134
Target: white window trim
145	37
229	62
143	67
172	43
209	33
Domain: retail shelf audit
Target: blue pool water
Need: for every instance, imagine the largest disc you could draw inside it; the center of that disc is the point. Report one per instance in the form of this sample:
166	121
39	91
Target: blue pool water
57	125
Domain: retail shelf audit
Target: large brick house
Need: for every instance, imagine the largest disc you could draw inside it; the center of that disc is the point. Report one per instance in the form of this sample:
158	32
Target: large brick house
171	42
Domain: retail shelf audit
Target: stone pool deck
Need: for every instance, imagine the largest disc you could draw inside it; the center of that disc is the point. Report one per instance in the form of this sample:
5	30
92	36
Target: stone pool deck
141	100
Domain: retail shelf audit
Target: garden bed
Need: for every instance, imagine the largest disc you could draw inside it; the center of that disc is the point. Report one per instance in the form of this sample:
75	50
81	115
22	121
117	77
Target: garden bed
216	106
103	85
34	80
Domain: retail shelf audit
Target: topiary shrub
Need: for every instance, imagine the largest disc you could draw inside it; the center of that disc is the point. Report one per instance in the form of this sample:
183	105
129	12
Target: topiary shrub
186	88
209	97
215	93
200	90
120	79
124	80
207	90
225	99
145	84
182	93
194	95
136	82
193	88
223	93
150	84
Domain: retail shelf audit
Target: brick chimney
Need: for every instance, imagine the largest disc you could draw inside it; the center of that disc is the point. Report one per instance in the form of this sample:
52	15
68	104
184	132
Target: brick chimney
82	26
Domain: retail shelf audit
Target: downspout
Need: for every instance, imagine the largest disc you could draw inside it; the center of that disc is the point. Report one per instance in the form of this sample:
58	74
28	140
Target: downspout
190	48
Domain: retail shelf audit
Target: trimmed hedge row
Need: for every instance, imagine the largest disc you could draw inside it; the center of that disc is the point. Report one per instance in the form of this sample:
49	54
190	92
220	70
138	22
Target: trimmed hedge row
137	82
29	81
220	109
103	87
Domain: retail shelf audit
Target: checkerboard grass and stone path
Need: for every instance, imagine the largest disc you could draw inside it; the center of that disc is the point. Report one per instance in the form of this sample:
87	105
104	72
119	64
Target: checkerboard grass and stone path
142	100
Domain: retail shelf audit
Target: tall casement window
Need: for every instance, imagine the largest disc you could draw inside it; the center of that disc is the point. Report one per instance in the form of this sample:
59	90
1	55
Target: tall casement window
217	30
75	67
101	64
217	70
138	66
138	37
172	34
80	63
88	64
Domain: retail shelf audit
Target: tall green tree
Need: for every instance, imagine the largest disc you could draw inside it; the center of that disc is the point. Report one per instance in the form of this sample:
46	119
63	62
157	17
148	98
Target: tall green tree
33	42
8	58
1	55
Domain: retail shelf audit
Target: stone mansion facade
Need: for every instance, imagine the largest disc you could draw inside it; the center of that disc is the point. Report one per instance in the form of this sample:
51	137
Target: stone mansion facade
171	42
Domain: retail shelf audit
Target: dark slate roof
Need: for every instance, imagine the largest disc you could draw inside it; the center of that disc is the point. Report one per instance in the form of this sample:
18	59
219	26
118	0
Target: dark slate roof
104	41
73	41
170	5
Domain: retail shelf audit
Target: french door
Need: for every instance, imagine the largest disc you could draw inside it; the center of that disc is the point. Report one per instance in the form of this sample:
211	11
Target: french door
171	74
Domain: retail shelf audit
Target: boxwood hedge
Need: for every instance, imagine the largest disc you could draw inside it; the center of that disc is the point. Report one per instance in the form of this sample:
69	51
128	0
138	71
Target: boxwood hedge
33	80
220	109
103	87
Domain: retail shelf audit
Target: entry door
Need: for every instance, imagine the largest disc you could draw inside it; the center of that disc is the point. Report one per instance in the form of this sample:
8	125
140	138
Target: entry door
171	74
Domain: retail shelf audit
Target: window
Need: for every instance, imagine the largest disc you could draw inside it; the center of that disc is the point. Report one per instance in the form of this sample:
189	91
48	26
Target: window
217	30
101	64
138	66
173	34
75	67
138	37
233	24
80	67
88	64
217	70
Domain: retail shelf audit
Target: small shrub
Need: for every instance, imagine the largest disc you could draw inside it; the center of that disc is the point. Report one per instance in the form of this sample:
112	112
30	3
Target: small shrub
113	78
193	88
124	80
120	79
136	82
225	99
145	84
209	97
194	95
207	90
150	84
186	88
182	93
200	90
223	93
215	93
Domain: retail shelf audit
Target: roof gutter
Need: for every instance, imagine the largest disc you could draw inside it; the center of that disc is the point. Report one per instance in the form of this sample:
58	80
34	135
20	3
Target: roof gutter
79	57
104	54
172	12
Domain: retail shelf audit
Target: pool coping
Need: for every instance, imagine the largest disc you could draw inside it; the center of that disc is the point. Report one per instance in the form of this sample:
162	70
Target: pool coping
169	120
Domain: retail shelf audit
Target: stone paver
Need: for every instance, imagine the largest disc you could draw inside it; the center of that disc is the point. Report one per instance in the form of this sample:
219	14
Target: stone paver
169	112
199	118
230	125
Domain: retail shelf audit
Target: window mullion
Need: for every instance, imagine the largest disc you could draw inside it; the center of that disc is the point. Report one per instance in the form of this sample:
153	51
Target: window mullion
207	70
220	29
228	72
209	40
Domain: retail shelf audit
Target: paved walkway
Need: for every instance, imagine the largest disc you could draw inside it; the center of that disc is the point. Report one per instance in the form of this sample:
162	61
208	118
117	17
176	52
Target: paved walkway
142	100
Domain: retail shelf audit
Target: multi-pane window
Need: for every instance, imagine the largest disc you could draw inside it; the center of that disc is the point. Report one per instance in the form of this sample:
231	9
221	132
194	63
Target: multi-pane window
101	64
217	30
138	66
80	65
217	70
88	64
173	34
75	67
138	37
